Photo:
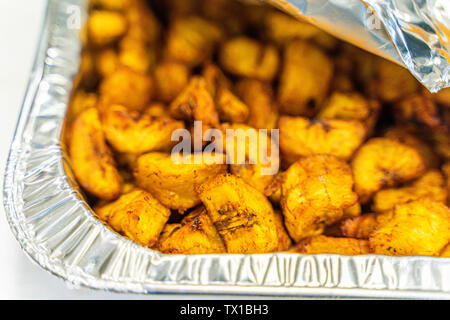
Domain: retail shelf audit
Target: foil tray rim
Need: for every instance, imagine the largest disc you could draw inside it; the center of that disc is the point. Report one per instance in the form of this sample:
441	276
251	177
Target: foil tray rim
97	258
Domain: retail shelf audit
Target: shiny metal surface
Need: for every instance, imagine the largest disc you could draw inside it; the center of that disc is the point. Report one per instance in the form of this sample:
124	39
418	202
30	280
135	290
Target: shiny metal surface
57	229
414	33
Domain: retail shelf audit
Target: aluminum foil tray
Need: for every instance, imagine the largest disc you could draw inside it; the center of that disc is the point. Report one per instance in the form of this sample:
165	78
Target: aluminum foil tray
58	230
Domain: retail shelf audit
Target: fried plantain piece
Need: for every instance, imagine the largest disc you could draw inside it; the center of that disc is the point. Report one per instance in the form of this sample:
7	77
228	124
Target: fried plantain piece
191	40
358	227
106	61
170	79
305	78
315	192
342	82
417	108
87	75
431	185
258	96
383	162
112	5
273	189
130	132
105	27
195	234
251	154
332	245
351	106
417	228
301	137
282	28
91	159
362	226
446	251
230	107
215	78
157	109
284	241
446	171
407	136
129	88
242	215
442	97
80	101
172	180
196	103
246	57
441	143
144	27
137	215
137	55
393	82
231	15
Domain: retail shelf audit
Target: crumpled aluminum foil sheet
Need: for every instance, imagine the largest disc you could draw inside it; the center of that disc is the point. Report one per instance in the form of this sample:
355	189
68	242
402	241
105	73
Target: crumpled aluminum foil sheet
414	33
58	230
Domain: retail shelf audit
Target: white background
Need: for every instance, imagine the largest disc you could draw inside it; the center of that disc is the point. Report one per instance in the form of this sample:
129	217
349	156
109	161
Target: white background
20	24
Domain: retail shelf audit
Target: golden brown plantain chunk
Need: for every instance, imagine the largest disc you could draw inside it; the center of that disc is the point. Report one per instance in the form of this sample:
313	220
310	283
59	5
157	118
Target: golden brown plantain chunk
136	55
242	215
431	186
105	27
137	215
230	107
441	142
361	227
106	61
446	251
128	88
191	40
300	137
195	234
383	162
215	78
305	78
157	109
273	189
417	228
282	28
331	245
393	82
351	106
446	171
173	180
196	103
251	154
130	132
358	227
113	5
442	97
315	192
80	101
247	57
170	79
258	96
91	159
284	241
144	27
417	108
353	211
407	136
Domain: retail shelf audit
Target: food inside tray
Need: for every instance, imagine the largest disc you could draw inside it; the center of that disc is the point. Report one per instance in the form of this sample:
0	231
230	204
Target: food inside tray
221	126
